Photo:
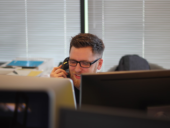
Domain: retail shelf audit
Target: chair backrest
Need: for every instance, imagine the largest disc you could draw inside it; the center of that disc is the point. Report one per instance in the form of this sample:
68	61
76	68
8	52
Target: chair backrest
132	62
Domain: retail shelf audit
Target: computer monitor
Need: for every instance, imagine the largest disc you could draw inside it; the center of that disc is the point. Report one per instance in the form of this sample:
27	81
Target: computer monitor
95	117
33	102
148	91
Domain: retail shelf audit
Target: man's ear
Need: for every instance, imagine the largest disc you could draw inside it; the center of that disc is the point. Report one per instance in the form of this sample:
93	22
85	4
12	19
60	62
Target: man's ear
100	64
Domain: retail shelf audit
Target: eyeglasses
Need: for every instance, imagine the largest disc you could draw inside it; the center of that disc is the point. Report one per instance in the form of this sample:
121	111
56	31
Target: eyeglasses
83	64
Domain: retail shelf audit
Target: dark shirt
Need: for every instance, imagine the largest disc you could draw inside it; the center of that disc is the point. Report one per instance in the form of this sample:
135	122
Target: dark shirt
77	94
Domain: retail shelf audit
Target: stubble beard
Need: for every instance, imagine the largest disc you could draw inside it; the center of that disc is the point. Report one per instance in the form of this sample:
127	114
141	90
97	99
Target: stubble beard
76	82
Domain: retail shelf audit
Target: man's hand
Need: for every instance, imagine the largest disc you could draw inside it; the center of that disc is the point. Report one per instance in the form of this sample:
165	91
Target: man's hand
57	72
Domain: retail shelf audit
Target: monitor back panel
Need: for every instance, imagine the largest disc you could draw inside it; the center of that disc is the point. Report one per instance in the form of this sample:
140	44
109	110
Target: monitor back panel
134	90
33	102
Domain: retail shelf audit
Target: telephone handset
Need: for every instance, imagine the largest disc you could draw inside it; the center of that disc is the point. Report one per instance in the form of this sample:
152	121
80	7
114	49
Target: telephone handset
65	66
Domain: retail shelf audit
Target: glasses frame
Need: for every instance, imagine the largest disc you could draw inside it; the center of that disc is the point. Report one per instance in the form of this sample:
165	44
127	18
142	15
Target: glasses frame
83	61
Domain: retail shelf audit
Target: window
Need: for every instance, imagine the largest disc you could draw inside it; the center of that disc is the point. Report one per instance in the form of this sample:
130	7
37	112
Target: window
38	28
132	27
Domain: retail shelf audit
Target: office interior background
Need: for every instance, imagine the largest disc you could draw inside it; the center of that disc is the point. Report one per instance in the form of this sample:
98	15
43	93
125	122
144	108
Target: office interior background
43	28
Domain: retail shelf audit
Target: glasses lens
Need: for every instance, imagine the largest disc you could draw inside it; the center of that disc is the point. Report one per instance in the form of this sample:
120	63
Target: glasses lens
72	63
85	64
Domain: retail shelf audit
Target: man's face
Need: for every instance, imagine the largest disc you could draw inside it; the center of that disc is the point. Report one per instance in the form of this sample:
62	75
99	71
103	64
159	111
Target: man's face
83	54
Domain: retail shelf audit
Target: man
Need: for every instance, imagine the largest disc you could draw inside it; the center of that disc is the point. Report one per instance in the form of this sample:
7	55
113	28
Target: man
86	52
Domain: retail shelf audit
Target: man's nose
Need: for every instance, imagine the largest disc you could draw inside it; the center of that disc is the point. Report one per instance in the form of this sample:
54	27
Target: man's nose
78	67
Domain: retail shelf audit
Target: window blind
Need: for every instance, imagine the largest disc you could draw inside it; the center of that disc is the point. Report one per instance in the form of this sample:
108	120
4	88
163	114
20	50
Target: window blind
131	27
157	32
12	29
38	28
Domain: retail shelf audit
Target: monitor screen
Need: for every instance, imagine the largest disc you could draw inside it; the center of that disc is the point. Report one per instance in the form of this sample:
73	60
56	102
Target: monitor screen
34	116
140	90
33	102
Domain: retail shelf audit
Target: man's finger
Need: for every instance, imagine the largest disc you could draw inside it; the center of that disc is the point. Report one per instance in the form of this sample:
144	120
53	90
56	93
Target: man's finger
61	70
62	75
54	69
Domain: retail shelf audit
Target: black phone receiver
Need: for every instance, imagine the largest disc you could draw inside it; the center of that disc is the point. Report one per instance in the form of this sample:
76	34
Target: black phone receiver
65	66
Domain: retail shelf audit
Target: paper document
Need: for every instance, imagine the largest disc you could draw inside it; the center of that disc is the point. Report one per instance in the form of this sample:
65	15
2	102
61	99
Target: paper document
25	73
19	73
34	73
